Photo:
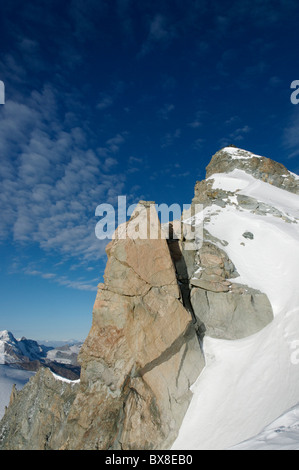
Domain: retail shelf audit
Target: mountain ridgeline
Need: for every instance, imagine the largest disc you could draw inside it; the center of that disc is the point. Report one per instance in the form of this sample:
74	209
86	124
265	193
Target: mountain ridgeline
161	305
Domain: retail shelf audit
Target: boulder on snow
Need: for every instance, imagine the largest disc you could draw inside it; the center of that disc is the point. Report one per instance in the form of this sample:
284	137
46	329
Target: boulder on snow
231	315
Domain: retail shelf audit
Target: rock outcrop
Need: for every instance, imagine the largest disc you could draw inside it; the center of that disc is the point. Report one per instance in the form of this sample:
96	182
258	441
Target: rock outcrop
142	352
221	307
37	413
260	167
226	309
232	315
137	363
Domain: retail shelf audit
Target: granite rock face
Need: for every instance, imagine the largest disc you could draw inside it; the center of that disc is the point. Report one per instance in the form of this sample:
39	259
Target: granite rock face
137	363
142	352
37	413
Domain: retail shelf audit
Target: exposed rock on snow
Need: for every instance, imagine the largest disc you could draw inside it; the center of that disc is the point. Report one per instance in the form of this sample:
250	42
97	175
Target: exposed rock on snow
222	308
231	315
248	235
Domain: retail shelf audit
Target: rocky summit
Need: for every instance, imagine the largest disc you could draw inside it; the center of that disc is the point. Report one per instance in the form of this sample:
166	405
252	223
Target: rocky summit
160	299
265	169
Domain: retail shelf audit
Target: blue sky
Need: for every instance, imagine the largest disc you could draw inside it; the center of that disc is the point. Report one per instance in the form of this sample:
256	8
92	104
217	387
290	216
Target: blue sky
123	97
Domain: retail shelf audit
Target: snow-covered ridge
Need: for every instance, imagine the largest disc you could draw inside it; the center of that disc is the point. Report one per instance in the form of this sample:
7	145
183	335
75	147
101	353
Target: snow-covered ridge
6	335
247	384
63	379
238	181
237	153
263	168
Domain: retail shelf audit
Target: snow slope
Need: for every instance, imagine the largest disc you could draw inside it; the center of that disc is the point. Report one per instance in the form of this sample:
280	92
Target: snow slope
282	434
249	383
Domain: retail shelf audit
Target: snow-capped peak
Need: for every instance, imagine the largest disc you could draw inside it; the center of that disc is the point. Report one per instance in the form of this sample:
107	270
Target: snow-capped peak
269	171
16	351
238	153
7	336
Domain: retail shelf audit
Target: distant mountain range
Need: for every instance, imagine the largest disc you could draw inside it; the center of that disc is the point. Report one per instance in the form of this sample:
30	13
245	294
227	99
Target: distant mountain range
57	344
28	354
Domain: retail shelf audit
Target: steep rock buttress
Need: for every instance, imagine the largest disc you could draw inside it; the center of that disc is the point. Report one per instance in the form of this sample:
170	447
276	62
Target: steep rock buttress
137	363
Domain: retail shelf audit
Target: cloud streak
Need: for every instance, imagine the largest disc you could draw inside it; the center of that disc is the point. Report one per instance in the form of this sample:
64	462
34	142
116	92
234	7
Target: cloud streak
84	285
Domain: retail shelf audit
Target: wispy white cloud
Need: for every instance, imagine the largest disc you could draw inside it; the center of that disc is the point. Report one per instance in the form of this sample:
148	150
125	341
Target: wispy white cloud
232	120
197	120
105	101
136	164
165	111
169	138
51	181
195	124
198	143
112	147
237	135
81	284
161	32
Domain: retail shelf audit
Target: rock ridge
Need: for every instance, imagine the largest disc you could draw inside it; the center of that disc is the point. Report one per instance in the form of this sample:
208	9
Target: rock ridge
265	169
